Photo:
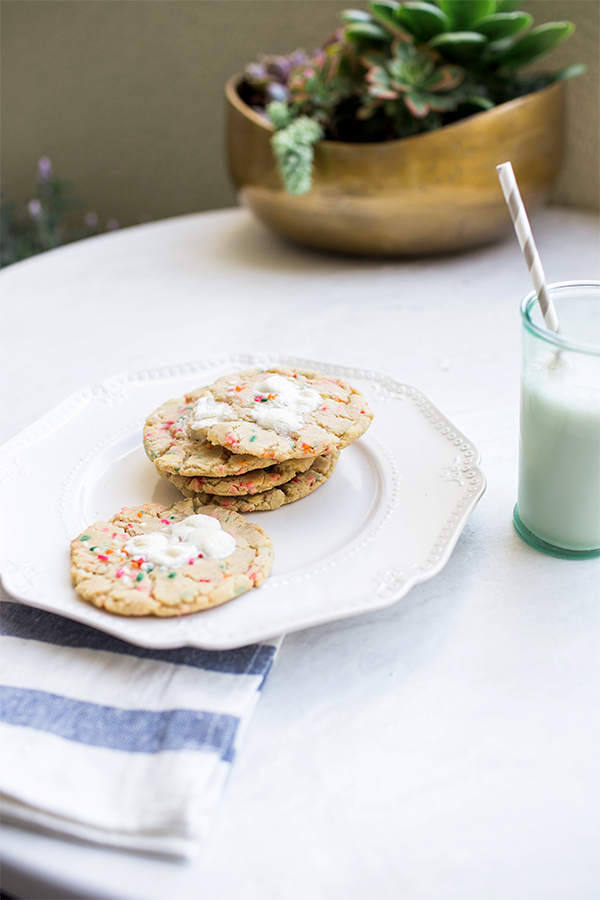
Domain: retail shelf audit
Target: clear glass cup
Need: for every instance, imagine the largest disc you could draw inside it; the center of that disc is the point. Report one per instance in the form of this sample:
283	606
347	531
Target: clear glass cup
558	503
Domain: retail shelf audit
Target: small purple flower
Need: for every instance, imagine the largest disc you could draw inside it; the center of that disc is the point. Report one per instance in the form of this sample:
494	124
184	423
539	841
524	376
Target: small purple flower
44	170
35	210
112	225
276	91
281	66
91	220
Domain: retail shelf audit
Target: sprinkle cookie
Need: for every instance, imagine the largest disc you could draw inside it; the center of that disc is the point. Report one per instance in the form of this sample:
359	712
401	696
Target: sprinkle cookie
154	560
295	489
173	451
279	413
254	482
249	420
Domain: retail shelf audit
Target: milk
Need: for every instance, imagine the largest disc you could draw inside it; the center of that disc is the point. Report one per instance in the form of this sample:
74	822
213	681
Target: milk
558	506
559	460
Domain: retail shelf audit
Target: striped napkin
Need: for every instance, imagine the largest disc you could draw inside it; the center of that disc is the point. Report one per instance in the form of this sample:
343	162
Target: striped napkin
113	743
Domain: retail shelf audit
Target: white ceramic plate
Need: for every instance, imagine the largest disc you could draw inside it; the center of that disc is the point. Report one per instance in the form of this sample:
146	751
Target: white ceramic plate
388	518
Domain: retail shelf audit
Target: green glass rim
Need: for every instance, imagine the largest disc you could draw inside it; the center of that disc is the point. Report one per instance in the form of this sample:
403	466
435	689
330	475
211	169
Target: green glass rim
552	337
532	539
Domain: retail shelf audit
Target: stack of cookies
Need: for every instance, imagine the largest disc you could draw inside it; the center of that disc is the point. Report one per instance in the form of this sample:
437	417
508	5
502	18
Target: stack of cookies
257	439
251	441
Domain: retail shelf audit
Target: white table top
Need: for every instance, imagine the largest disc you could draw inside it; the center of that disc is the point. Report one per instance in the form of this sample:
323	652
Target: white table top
446	747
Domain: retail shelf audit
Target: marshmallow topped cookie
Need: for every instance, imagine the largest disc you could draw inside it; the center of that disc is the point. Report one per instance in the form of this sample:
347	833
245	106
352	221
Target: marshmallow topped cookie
278	413
169	561
173	450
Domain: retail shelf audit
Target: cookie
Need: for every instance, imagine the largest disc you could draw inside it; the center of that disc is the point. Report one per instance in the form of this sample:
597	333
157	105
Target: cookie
279	413
155	560
255	482
297	487
172	450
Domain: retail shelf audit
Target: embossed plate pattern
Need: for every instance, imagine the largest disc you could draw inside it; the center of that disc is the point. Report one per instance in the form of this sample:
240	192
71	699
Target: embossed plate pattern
388	518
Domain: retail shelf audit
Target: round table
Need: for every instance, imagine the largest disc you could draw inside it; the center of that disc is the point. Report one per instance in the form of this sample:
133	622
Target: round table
443	747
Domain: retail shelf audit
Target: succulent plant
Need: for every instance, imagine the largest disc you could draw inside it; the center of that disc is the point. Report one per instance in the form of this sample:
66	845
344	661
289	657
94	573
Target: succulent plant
396	69
490	39
410	86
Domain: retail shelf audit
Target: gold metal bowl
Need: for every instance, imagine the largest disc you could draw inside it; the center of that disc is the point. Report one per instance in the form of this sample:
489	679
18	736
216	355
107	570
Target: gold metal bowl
431	193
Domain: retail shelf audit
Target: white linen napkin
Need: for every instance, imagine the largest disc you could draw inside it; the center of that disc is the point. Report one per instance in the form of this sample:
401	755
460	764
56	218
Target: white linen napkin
113	743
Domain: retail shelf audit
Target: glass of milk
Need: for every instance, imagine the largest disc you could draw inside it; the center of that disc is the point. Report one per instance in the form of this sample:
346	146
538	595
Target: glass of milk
558	504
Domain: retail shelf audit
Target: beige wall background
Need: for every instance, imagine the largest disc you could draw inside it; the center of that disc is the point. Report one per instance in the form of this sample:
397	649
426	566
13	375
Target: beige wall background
126	96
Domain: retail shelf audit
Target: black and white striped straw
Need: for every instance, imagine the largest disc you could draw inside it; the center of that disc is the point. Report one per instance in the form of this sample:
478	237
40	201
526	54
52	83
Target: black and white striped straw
518	215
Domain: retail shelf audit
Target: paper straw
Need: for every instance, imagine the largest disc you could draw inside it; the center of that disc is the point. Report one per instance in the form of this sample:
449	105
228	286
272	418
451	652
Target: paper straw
518	214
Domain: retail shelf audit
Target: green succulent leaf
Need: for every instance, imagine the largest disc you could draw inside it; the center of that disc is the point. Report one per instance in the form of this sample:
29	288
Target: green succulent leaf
442	102
411	68
358	32
463	14
420	102
503	25
355	15
293	147
380	84
417	104
481	102
386	12
459	46
535	43
445	78
573	71
507	5
423	20
279	113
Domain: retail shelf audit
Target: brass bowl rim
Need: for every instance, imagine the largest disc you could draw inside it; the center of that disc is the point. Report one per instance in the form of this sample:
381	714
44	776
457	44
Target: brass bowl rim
236	101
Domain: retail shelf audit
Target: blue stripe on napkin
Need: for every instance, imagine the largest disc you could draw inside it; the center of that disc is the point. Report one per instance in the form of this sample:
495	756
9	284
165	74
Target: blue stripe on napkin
131	730
164	768
18	620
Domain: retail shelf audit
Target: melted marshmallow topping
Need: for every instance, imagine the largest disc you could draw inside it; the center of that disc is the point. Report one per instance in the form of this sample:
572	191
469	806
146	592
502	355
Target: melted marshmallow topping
280	404
178	543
